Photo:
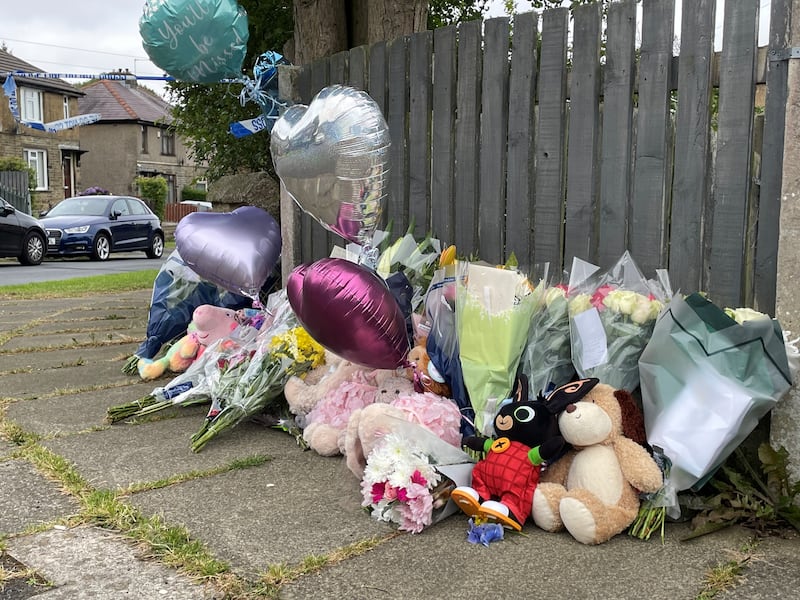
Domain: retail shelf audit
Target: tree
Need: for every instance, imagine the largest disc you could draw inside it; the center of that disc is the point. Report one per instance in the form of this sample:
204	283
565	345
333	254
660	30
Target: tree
303	31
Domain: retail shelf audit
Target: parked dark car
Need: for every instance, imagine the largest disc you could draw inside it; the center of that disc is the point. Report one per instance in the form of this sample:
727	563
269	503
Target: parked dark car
100	225
21	236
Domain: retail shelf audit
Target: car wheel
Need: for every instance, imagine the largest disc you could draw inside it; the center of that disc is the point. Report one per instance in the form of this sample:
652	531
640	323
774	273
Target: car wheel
33	250
156	249
101	248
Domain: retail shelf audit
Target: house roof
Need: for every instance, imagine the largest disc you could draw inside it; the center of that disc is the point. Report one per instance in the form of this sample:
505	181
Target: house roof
11	64
123	101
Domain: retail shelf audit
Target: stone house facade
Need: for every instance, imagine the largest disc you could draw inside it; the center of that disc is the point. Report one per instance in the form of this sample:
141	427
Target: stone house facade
132	138
55	157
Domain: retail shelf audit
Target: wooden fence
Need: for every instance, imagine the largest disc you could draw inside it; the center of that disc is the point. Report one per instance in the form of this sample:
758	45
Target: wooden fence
14	188
571	139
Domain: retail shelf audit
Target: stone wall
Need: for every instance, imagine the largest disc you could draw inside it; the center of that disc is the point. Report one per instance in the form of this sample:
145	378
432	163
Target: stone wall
250	189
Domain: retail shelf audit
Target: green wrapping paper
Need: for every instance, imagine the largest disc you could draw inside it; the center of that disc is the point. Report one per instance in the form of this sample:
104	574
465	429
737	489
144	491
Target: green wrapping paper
493	314
706	381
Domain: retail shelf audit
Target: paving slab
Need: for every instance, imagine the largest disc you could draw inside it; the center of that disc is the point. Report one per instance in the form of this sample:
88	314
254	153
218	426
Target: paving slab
296	505
776	560
71	377
71	413
156	450
89	563
57	358
441	563
43	499
90	325
33	342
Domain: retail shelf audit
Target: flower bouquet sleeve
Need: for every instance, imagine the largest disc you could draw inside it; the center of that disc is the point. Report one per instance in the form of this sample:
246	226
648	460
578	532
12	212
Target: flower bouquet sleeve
547	358
612	316
493	315
706	381
409	476
260	381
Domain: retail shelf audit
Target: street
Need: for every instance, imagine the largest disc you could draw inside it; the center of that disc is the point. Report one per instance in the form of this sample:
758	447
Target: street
54	269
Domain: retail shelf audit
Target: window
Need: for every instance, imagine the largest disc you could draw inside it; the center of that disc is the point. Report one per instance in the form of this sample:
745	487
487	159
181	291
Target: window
137	207
31	104
168	143
66	107
144	139
37	160
120	206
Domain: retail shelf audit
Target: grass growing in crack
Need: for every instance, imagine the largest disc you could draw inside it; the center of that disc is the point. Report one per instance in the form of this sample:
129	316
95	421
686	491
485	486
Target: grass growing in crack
727	575
280	574
242	463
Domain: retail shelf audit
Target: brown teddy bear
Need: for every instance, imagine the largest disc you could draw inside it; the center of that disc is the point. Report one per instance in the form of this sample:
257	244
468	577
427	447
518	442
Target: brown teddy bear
424	374
593	491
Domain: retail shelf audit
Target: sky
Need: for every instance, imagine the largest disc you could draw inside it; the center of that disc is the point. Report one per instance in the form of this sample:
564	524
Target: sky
94	36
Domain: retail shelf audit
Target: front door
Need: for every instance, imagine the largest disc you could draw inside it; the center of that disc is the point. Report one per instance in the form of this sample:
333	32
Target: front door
69	174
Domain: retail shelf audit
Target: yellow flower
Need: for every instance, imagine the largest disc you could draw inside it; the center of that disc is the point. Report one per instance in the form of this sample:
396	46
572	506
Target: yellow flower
554	293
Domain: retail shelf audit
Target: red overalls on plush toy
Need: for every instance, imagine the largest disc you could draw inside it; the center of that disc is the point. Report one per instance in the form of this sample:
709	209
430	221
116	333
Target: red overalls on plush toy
503	482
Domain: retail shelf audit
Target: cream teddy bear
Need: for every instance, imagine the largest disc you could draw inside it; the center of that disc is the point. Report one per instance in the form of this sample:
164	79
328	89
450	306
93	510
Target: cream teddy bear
593	491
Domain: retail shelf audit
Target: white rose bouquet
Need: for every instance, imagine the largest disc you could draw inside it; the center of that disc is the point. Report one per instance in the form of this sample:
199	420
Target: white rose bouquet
611	320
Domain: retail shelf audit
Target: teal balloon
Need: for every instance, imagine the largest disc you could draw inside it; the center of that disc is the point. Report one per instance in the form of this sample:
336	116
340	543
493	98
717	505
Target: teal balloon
201	41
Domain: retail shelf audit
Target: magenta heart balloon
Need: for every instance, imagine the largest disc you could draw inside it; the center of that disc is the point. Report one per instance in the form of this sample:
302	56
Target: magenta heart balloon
349	309
236	250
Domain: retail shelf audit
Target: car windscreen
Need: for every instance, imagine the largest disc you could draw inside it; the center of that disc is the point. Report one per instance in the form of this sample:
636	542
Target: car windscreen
90	207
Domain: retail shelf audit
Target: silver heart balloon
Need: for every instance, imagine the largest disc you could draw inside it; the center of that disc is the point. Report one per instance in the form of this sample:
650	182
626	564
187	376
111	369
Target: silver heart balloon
333	158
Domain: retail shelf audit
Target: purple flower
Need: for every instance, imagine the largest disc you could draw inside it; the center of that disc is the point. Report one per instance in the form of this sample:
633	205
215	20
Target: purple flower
485	534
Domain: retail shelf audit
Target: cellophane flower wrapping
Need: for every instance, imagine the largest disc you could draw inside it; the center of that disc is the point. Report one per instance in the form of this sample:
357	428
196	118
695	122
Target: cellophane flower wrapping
493	315
442	342
409	476
196	384
417	260
259	380
612	315
547	358
706	382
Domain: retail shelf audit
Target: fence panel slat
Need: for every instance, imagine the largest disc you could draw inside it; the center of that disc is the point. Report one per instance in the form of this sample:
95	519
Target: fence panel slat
648	222
396	111
521	137
548	229
771	177
377	74
419	163
443	143
321	239
357	72
467	139
617	151
339	66
580	235
493	127
728	247
691	181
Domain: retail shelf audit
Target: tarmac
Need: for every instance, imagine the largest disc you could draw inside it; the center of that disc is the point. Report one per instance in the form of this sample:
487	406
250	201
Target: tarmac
281	521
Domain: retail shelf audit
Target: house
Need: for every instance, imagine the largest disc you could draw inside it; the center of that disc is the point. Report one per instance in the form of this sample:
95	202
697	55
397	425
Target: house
54	156
132	138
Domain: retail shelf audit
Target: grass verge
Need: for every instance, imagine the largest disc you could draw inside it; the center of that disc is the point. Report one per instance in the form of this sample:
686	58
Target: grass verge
81	286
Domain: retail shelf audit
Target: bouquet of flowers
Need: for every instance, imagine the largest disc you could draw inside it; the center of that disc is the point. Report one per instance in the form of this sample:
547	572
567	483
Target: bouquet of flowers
493	315
256	382
707	379
547	358
409	476
204	378
612	316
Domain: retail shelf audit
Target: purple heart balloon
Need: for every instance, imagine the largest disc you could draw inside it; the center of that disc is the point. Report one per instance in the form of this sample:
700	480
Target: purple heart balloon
236	250
349	309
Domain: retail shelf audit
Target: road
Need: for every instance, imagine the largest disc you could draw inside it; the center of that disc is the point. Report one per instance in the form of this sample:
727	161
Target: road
54	269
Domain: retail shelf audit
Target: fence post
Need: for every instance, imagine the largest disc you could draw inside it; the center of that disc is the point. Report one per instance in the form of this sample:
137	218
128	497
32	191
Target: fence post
289	212
786	415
